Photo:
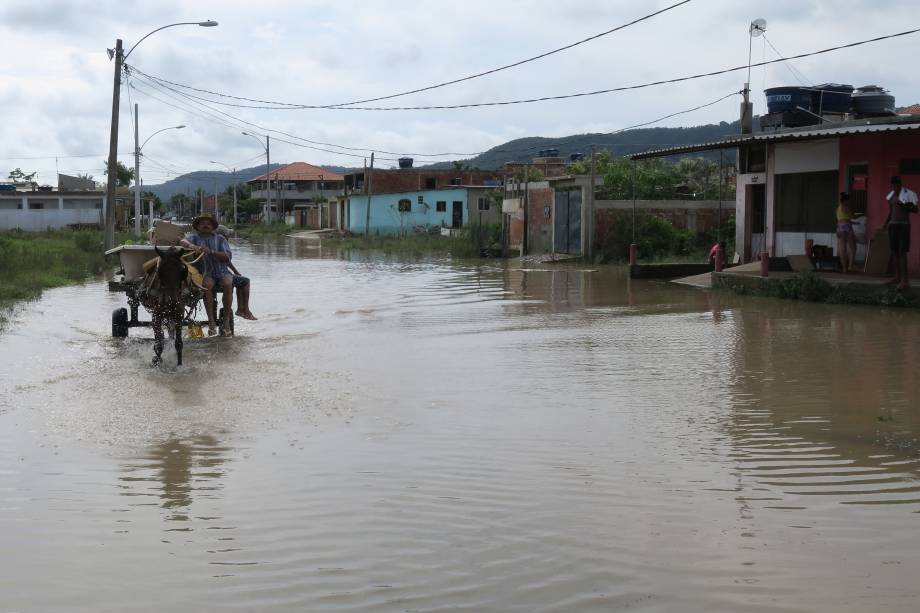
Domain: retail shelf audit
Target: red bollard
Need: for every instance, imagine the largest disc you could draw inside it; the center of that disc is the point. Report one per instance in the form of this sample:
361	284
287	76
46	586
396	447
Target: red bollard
633	254
720	258
809	246
764	264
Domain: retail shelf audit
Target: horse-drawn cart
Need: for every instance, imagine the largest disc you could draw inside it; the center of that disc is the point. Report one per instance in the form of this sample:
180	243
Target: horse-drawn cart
132	281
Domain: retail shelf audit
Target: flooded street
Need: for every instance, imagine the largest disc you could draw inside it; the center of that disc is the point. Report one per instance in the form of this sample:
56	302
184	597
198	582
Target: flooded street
421	435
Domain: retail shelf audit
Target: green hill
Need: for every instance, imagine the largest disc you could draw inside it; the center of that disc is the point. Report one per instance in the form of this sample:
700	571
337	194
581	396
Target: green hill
624	143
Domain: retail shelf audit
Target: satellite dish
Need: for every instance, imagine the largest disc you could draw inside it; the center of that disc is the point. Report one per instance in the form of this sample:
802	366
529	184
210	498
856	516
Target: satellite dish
758	27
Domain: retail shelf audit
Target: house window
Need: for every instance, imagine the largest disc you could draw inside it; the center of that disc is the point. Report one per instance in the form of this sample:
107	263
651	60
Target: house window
405	205
36	205
456	181
441	206
421	199
801	202
483	204
431	183
910	166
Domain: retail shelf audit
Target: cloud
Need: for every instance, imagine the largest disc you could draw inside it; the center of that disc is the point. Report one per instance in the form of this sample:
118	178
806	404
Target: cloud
57	79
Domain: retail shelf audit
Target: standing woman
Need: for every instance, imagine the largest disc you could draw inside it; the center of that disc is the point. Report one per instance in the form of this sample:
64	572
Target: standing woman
846	239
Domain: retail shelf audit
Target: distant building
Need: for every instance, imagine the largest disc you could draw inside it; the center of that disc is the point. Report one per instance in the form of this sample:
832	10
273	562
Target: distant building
40	210
410	211
394	180
296	186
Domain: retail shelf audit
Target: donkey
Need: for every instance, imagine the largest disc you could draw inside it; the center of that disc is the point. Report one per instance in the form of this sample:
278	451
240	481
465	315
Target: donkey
165	301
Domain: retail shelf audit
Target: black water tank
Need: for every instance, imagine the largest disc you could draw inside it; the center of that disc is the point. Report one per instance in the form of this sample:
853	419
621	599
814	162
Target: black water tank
831	98
550	153
574	157
872	101
786	99
406	162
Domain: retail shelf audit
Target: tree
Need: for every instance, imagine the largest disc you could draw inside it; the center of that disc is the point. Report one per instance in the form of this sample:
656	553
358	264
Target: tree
527	173
124	174
157	203
18	176
656	179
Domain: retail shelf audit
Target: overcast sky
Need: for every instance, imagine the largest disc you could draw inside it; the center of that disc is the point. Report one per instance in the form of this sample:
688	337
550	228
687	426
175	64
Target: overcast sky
56	85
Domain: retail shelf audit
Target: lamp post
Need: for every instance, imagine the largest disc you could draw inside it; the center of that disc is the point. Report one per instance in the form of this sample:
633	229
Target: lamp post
268	177
233	171
119	56
137	172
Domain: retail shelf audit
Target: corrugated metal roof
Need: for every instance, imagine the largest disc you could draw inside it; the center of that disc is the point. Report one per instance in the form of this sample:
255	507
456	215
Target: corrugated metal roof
789	135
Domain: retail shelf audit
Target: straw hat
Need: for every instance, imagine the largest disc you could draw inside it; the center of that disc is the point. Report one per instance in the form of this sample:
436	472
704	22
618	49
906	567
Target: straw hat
202	217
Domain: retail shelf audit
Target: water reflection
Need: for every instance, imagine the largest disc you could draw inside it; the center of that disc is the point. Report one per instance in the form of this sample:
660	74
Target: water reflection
176	471
827	403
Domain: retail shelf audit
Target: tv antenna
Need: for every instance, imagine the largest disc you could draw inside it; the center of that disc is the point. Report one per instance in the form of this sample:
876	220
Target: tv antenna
757	28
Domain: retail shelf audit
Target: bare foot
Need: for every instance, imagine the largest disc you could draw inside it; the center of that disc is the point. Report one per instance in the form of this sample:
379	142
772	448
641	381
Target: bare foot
247	315
212	330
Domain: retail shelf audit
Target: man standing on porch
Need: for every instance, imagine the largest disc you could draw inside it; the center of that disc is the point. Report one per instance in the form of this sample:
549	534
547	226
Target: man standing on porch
901	203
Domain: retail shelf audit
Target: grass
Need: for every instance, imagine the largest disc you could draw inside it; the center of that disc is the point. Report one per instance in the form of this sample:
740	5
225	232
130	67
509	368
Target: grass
31	262
259	230
468	243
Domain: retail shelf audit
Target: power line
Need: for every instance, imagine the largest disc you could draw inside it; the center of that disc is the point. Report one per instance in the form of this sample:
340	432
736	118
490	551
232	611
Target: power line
515	64
161	86
796	73
288	106
454	81
492	151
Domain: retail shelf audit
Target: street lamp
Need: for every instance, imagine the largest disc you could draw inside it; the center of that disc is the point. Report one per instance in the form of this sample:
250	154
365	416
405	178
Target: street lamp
268	178
137	173
233	170
119	56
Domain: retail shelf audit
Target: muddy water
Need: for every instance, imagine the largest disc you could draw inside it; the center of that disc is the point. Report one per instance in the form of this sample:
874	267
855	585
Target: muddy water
423	436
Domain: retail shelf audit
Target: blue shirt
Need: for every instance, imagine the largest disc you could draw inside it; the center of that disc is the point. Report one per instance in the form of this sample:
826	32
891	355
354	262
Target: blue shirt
209	265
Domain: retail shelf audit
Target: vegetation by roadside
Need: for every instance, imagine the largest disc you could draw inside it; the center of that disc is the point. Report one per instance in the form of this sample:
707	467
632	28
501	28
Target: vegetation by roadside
34	261
470	242
658	239
810	287
260	230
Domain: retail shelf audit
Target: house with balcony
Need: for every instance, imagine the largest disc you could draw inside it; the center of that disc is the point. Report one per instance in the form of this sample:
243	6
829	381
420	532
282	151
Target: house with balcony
300	194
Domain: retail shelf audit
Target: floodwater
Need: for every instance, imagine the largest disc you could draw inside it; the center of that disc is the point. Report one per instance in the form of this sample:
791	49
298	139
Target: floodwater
408	435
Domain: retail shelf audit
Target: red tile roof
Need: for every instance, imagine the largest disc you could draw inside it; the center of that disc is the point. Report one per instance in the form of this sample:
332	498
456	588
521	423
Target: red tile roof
913	109
300	171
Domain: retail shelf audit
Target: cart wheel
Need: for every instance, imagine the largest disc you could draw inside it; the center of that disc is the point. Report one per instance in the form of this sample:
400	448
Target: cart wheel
120	323
220	321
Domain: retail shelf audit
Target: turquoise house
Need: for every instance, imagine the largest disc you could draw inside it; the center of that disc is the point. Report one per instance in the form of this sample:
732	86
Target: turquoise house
404	212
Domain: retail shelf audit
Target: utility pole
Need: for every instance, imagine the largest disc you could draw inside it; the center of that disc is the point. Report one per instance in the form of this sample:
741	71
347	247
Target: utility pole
589	246
367	188
526	207
235	219
109	236
137	177
268	178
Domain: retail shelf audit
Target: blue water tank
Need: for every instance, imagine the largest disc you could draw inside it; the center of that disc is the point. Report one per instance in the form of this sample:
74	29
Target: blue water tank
788	99
831	98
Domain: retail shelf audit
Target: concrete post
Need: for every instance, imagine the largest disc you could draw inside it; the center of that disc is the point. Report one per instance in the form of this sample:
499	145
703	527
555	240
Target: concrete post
633	254
60	203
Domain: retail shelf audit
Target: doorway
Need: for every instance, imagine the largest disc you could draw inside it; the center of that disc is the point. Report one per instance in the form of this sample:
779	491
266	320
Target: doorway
457	215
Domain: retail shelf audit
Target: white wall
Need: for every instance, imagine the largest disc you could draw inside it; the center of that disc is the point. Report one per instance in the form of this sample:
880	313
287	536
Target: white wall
42	219
808	156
